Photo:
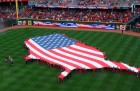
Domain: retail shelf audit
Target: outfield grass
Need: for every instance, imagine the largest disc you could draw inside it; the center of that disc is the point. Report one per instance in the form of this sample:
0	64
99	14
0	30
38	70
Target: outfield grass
38	77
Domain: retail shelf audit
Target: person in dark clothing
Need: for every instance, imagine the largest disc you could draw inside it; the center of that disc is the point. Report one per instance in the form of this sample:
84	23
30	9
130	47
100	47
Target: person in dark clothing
6	60
122	31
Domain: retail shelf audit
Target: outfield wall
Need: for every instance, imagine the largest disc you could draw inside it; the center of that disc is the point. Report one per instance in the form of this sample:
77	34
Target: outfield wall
8	23
137	29
73	24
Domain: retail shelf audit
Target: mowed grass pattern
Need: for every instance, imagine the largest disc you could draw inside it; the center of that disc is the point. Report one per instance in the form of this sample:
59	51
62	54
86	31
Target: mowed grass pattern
39	77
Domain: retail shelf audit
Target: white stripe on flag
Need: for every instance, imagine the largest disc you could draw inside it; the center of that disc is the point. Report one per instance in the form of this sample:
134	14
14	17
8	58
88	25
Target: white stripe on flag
134	69
64	73
33	57
85	49
112	64
130	68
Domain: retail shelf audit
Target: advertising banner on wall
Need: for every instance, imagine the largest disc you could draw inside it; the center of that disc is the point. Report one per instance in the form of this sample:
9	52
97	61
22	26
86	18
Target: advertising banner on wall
117	27
24	22
19	23
122	27
29	22
96	26
57	24
74	25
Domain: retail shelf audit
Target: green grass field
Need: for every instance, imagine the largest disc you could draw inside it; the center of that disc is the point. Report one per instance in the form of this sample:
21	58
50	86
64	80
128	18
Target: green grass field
39	77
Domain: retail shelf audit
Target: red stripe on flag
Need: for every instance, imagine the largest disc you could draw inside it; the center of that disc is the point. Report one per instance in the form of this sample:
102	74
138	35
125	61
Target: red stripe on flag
120	65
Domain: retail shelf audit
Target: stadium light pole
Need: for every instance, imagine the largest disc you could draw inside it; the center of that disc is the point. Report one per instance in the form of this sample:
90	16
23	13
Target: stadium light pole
16	1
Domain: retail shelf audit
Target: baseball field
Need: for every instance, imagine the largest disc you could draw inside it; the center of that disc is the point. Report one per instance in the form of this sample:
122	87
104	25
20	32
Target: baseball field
38	77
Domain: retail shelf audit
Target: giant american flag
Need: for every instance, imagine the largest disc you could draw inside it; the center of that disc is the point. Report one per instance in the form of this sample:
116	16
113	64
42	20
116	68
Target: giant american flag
71	54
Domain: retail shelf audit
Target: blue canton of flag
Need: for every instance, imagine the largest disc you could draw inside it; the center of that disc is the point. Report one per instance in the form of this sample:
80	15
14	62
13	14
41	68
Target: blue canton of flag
53	41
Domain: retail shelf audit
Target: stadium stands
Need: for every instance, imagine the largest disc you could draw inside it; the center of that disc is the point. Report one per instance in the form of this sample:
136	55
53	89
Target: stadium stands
80	15
8	11
98	15
124	3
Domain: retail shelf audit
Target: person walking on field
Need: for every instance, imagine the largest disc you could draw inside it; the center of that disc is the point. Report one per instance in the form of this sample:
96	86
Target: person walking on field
6	60
11	60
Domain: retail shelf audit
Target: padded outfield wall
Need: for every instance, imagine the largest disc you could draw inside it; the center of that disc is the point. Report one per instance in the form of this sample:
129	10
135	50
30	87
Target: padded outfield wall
75	24
8	23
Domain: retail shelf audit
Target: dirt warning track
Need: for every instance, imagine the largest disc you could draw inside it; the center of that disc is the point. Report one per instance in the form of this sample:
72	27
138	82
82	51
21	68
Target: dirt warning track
64	28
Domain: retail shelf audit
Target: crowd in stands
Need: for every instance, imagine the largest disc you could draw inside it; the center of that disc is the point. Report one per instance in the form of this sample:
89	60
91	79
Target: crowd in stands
83	2
80	14
8	11
99	15
137	2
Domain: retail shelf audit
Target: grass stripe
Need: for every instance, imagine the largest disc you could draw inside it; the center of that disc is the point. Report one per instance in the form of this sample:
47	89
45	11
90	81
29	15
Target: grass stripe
38	77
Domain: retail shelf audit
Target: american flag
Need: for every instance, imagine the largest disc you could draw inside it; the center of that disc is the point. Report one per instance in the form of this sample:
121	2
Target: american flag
71	54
